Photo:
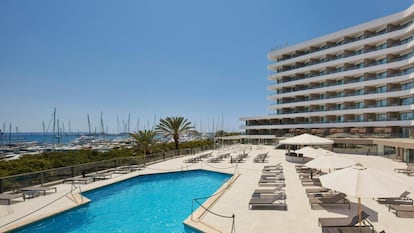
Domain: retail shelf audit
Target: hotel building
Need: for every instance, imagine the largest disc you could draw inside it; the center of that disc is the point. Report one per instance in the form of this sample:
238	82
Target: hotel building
358	81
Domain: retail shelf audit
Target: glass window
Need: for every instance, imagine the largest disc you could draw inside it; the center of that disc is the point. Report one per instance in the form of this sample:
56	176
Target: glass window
381	103
407	101
381	89
381	46
407	86
381	117
360	105
407	116
359	92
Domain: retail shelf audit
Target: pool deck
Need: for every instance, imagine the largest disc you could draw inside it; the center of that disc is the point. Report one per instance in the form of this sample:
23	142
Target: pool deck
233	200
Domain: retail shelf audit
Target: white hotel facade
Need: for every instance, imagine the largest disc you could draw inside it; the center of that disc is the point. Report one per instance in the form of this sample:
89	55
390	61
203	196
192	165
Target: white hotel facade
358	81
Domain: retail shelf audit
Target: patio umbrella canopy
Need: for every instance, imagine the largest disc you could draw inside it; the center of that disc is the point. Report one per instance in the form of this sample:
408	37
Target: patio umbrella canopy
359	181
322	151
329	161
306	139
308	151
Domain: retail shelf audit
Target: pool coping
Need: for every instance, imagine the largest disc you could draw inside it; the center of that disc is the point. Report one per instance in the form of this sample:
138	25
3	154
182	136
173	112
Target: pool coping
75	197
195	219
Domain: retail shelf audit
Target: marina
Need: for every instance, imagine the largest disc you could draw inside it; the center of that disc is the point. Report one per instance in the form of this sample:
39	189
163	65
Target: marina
14	145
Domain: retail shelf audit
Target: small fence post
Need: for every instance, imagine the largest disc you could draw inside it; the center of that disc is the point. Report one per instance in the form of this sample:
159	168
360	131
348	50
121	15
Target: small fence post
42	177
1	185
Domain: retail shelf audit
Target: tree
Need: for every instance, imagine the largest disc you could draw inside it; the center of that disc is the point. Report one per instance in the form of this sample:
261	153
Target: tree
174	127
145	140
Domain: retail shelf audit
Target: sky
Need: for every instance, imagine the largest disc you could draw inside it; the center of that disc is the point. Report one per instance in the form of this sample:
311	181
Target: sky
205	60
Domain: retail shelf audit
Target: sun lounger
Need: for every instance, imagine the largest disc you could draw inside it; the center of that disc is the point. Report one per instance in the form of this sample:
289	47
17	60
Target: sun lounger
276	202
354	229
312	182
192	160
74	180
278	165
272	184
272	177
338	199
101	176
322	194
260	158
403	199
40	189
317	190
272	169
10	197
405	211
327	223
273	190
121	170
407	170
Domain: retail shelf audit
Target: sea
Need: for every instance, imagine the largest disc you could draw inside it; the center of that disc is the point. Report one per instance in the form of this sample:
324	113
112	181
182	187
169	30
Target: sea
49	138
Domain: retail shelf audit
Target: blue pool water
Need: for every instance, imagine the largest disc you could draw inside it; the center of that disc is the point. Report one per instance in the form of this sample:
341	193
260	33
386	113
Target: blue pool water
151	203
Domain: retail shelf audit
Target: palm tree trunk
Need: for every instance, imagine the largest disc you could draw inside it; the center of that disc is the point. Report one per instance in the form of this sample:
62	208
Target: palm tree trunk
176	144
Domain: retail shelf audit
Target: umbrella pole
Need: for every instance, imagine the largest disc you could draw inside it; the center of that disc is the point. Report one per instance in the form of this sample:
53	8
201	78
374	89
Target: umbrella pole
359	212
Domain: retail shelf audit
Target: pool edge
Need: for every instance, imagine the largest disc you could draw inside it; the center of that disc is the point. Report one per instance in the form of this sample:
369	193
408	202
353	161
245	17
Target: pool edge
194	221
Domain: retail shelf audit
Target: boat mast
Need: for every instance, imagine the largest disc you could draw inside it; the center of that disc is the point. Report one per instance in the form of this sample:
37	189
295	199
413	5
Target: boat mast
129	121
89	125
58	133
10	126
3	134
44	131
117	124
17	134
102	126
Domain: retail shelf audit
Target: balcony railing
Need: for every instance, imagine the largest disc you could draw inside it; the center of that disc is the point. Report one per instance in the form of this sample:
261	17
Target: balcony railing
364	79
380	62
343	42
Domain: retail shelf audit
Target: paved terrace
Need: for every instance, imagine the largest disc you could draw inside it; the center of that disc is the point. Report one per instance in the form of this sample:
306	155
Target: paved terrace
298	218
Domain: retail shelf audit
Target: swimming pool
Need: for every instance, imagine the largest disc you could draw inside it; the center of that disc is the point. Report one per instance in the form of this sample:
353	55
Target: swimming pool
150	203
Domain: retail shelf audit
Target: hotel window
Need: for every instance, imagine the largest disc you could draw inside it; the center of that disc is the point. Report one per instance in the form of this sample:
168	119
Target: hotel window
382	31
382	89
405	56
359	51
407	101
407	116
407	86
359	92
381	46
382	75
406	40
403	25
359	118
360	105
381	117
360	65
381	103
382	61
407	71
340	69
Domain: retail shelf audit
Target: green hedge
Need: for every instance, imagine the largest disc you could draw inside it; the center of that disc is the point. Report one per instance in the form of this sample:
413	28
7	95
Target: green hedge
49	160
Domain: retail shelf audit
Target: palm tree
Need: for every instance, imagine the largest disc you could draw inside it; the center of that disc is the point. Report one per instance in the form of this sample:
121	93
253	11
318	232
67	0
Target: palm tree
174	127
145	140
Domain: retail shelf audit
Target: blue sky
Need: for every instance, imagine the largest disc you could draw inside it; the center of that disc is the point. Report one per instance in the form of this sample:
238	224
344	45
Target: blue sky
204	60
